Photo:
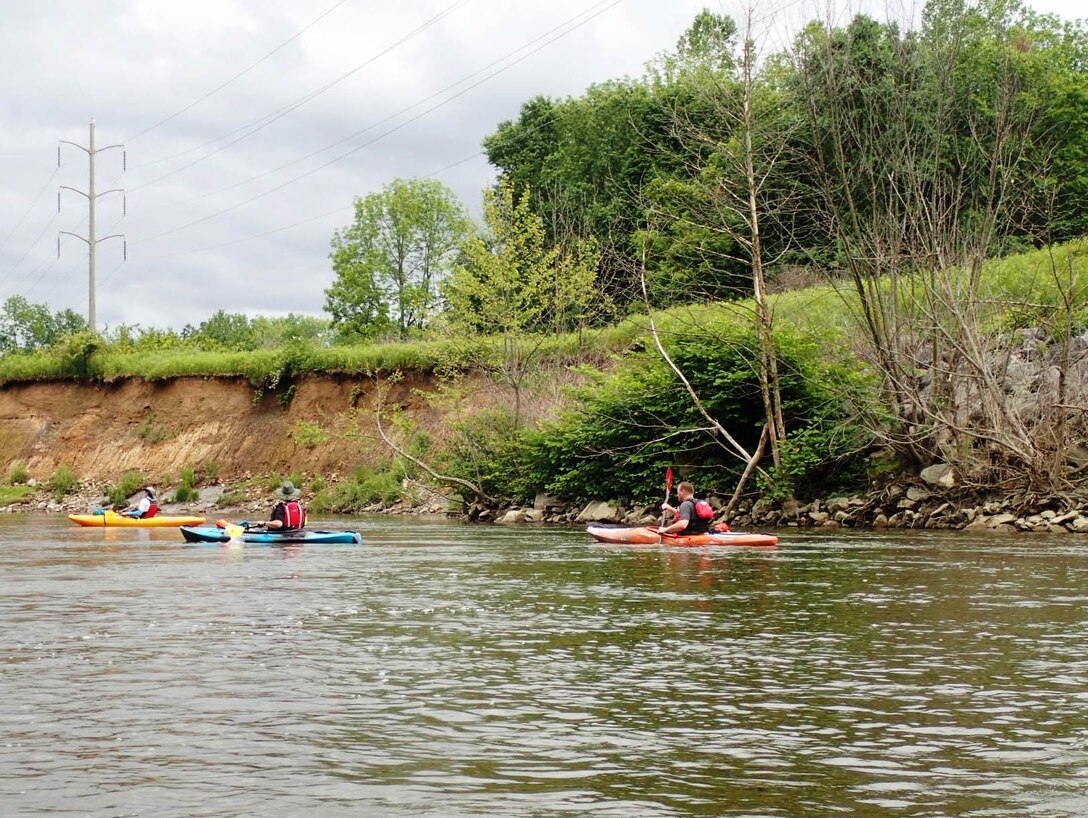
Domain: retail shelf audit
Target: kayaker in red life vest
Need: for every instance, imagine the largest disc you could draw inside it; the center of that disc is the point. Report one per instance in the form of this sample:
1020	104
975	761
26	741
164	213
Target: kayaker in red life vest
145	507
288	514
686	520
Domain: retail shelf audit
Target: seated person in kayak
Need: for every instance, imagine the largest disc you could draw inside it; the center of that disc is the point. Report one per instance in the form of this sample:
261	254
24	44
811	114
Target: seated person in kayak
686	520
288	514
145	507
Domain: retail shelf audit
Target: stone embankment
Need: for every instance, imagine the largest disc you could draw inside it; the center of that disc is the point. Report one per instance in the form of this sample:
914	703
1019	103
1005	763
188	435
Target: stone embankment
935	502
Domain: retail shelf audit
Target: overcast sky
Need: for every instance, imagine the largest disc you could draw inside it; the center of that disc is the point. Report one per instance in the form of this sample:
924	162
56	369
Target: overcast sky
246	143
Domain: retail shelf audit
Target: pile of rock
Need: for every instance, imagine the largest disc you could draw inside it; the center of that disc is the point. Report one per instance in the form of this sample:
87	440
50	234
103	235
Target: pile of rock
934	503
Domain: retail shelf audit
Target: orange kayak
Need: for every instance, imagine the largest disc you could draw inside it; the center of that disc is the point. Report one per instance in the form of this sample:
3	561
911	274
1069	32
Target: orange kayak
648	535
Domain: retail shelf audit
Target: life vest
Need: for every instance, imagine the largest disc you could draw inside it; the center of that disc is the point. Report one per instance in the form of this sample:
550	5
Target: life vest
152	510
294	515
700	518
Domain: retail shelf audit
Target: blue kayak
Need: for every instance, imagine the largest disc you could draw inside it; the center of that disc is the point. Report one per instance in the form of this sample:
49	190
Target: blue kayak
213	534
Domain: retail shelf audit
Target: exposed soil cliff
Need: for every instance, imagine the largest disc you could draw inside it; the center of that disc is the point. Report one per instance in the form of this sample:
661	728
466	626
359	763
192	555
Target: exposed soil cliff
161	427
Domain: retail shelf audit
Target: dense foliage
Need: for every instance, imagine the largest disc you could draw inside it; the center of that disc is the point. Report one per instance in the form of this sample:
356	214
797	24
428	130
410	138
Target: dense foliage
627	427
980	116
390	262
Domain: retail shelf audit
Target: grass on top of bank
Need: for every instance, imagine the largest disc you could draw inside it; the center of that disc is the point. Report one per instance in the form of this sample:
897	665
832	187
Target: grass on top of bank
86	357
1017	291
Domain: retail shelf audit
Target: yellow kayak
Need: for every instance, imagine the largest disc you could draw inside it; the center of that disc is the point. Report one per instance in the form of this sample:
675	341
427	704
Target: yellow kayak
112	518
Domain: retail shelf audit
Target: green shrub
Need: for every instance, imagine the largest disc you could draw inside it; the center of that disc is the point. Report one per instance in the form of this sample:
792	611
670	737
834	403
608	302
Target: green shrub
62	482
211	472
186	491
185	494
308	434
152	432
131	482
18	474
365	488
317	485
487	450
232	498
10	495
628	427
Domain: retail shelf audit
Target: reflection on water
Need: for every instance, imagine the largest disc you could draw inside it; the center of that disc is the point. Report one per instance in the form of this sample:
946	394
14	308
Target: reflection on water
449	670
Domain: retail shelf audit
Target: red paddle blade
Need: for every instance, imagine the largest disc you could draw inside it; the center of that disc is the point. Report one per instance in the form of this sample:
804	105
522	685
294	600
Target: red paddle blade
668	479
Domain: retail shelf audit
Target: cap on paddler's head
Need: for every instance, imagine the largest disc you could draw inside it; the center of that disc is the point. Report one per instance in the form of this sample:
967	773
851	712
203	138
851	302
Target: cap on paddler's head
288	491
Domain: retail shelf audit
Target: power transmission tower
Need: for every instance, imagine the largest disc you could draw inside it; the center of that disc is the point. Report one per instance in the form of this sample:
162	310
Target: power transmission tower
90	239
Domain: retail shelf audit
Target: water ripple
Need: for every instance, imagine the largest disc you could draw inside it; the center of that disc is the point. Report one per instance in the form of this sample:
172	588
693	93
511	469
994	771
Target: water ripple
447	670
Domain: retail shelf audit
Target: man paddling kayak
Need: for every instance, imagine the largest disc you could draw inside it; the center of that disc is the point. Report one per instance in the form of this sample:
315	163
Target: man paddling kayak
687	521
288	514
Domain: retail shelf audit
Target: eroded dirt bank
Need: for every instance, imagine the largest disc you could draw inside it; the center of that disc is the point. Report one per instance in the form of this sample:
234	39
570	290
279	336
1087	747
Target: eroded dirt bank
159	428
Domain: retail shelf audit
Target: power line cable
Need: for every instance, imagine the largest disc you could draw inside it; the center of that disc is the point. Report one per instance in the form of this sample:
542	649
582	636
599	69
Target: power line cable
241	73
392	116
38	239
268	119
611	4
308	220
30	207
29	249
71	269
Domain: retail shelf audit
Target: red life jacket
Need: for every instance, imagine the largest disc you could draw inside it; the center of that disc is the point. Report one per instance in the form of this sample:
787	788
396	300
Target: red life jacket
698	524
294	515
152	510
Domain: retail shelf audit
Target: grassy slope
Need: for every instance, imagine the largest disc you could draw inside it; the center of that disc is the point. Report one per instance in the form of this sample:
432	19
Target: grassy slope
1019	289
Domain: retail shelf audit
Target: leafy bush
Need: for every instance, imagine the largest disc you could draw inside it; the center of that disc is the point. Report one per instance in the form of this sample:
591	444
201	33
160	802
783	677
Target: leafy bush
365	488
18	474
130	483
63	481
186	491
232	498
10	495
306	433
628	427
488	450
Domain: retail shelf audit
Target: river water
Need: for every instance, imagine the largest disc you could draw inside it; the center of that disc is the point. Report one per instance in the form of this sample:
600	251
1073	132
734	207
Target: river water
443	669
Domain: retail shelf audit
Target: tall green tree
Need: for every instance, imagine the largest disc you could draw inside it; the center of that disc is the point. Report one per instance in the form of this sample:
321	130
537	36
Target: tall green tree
26	326
585	161
512	284
390	261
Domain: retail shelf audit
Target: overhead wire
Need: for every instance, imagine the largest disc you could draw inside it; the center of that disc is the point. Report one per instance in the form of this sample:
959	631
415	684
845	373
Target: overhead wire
38	239
307	220
278	114
30	207
241	73
29	249
609	4
392	116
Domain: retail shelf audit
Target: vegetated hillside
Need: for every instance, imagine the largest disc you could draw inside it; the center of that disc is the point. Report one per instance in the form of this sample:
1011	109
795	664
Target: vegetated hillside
161	427
289	416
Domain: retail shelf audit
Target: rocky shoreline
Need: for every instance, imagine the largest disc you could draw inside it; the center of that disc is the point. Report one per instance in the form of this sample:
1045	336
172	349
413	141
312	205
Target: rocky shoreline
934	501
925	505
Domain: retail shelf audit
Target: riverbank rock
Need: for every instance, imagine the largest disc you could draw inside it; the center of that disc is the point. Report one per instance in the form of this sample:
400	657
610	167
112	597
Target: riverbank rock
939	475
602	512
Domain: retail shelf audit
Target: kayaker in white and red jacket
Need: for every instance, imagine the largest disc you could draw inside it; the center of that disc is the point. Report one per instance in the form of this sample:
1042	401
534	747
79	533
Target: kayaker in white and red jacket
288	514
145	507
